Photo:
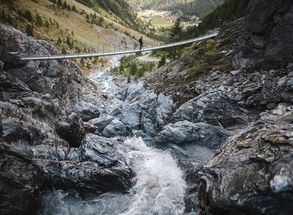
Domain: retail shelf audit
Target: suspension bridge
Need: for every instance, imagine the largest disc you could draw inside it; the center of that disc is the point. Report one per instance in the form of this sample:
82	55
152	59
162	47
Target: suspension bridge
117	52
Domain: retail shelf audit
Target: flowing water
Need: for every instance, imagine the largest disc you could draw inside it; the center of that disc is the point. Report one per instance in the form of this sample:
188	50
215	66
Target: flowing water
160	186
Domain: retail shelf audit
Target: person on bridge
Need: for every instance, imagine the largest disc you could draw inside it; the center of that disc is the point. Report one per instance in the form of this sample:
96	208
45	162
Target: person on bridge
140	43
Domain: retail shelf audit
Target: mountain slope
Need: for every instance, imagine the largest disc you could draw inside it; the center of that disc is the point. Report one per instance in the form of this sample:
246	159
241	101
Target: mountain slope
119	8
188	7
68	24
72	26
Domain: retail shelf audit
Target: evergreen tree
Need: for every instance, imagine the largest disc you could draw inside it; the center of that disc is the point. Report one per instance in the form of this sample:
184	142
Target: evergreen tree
39	20
176	30
133	69
59	41
29	30
59	3
175	35
162	62
64	6
28	16
82	61
73	8
69	42
64	50
47	25
101	21
87	18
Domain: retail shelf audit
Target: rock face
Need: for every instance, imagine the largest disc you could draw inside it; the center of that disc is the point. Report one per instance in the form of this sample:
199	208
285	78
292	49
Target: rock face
94	167
213	107
253	173
185	132
44	140
267	39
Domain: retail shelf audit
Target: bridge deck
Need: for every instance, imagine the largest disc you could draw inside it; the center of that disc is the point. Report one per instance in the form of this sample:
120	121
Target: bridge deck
88	55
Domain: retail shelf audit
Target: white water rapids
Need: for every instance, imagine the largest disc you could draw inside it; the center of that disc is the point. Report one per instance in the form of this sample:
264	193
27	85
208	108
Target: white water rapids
160	187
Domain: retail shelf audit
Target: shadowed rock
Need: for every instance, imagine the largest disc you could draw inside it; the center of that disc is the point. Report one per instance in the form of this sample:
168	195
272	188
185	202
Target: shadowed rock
253	173
267	38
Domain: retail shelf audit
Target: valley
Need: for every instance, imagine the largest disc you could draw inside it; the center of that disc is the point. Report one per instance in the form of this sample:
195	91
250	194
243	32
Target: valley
200	129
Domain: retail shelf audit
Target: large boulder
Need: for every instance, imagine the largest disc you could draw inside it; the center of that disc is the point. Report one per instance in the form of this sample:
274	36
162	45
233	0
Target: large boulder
213	107
101	122
71	129
86	110
20	182
253	173
115	128
184	132
27	171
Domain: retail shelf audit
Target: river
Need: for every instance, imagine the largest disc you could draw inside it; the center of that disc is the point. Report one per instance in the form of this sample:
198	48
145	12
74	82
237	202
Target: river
160	186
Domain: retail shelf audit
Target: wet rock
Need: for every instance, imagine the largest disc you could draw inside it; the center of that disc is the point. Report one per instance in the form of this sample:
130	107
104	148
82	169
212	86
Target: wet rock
38	128
26	171
13	131
71	130
253	173
20	184
287	95
101	122
164	109
1	66
115	128
215	108
134	91
149	124
87	111
185	132
131	116
235	72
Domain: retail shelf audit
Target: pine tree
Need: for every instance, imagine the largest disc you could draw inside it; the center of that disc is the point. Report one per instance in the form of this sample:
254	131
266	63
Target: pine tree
133	69
47	25
82	61
69	42
28	16
73	8
29	30
87	18
59	3
162	62
39	20
59	41
176	30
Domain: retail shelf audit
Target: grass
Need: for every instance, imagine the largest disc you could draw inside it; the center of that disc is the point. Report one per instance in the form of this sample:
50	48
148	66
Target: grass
195	62
160	22
72	24
131	67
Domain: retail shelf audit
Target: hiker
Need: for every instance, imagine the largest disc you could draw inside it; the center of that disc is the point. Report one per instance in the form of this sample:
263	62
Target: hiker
140	43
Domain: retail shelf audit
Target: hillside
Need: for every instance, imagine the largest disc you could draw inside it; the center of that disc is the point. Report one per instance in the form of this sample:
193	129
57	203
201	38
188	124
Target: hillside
119	8
199	8
73	26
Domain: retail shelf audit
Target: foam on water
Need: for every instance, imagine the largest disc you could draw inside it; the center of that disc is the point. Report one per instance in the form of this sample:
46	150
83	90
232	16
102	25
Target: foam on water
159	188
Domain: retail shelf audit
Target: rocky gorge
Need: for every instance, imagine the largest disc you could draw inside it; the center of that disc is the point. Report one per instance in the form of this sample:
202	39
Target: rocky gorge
101	145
